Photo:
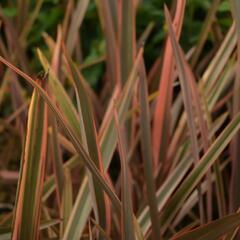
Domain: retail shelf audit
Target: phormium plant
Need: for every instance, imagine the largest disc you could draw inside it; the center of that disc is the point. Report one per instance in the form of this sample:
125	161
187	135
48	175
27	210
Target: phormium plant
151	151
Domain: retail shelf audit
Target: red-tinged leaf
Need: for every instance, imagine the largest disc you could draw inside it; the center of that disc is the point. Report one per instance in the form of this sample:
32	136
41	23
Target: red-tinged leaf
146	147
126	211
30	21
67	199
197	102
56	58
161	119
127	37
187	99
92	142
67	17
235	150
76	222
110	108
192	200
50	184
23	8
170	185
53	135
71	134
28	203
165	191
18	100
235	4
101	231
76	21
108	136
216	66
60	96
56	157
206	27
112	48
195	176
213	230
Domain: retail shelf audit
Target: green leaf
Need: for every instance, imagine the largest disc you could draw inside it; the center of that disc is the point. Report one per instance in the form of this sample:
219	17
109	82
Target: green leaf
108	138
206	27
126	211
71	134
62	99
79	214
235	150
165	191
187	99
28	203
93	148
76	21
199	171
5	232
128	44
67	199
108	135
213	230
217	64
162	114
146	147
50	183
112	50
56	157
235	4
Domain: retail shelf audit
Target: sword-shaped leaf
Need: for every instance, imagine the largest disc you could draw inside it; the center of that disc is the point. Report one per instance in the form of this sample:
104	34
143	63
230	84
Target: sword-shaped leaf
92	142
212	230
30	186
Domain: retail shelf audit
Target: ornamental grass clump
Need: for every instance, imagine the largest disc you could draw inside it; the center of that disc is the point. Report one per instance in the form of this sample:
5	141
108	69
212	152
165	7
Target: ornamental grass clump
106	134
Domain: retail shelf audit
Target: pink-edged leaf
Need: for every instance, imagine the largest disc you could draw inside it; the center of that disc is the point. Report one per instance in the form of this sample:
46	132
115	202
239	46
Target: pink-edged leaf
161	119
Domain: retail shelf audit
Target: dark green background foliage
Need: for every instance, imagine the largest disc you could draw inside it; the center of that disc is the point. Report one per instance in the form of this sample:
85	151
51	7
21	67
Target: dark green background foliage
92	41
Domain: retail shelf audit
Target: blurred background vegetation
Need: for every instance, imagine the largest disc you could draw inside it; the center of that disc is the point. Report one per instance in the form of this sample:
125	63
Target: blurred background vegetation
92	39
